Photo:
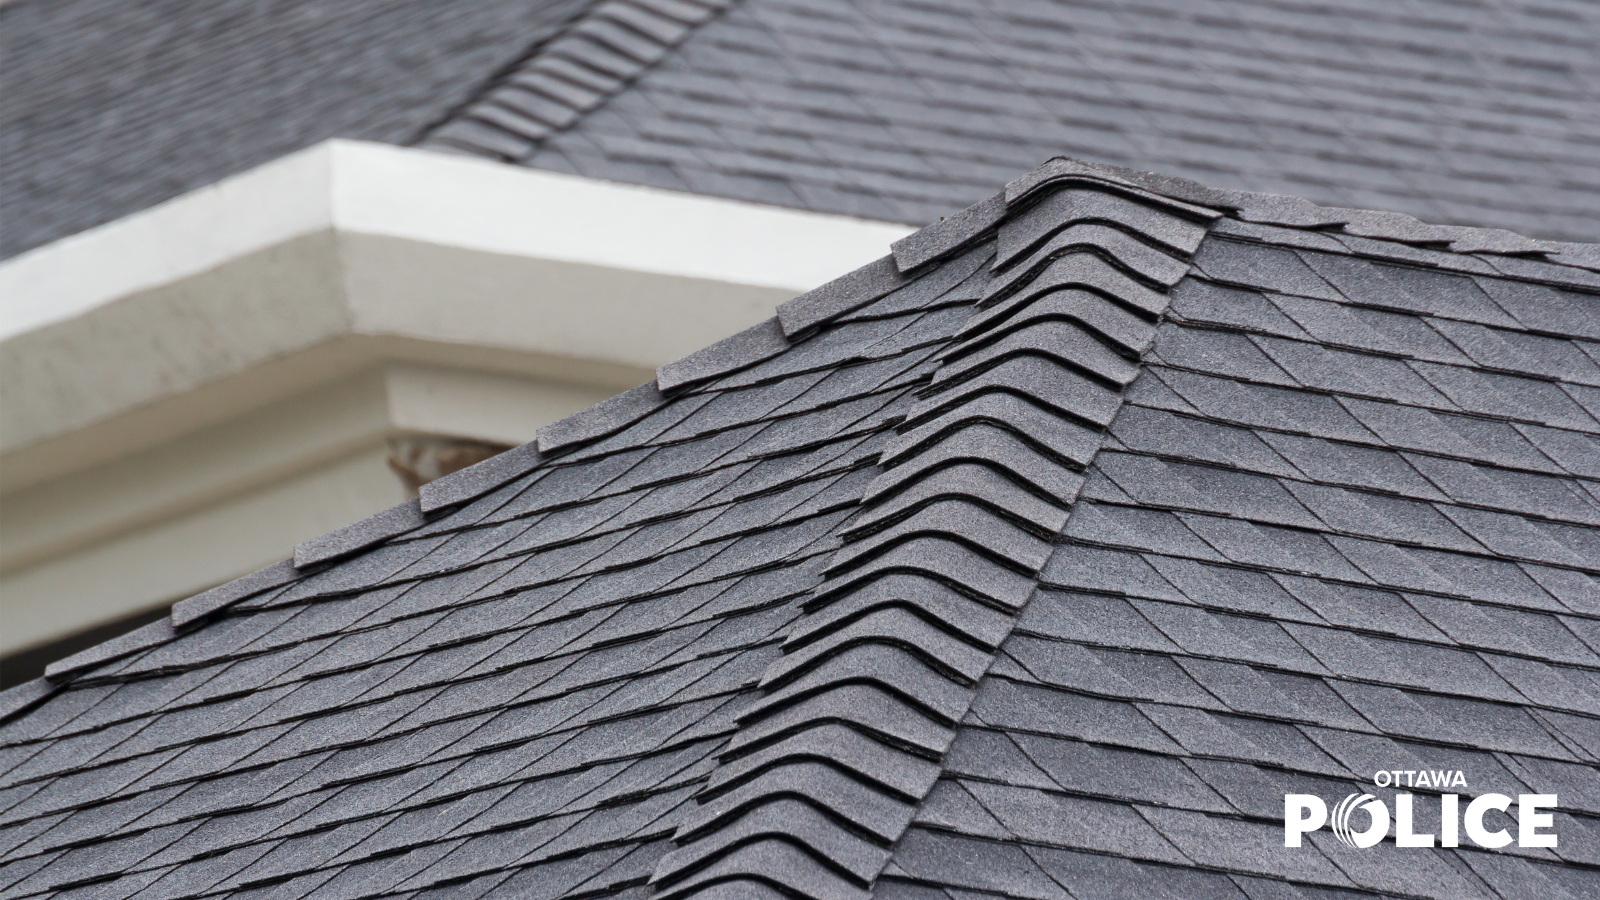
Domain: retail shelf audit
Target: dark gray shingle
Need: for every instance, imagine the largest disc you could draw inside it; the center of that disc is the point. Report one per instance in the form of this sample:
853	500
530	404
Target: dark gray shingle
831	614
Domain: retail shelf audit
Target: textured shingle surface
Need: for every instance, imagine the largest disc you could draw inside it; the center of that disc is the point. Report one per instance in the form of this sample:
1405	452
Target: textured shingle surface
1302	557
110	107
1482	113
1038	564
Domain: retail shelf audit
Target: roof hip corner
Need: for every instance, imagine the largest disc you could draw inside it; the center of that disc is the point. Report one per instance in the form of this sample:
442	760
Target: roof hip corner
828	766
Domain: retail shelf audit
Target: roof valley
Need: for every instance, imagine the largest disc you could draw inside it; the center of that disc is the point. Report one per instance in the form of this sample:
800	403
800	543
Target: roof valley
829	766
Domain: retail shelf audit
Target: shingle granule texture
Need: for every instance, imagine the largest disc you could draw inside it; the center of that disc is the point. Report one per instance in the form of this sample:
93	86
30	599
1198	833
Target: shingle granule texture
1482	113
1037	560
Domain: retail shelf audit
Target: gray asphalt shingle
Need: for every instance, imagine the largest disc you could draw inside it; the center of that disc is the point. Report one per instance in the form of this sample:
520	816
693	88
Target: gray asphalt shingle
878	108
829	614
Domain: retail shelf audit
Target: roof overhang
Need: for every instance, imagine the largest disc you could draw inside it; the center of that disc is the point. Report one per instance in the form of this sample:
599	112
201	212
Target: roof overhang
328	268
574	277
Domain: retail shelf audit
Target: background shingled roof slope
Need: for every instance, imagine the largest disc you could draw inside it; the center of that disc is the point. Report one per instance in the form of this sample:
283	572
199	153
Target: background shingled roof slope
1346	517
1482	113
110	107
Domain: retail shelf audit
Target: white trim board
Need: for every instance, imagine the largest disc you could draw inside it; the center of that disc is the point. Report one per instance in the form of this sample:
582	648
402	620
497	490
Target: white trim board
356	187
136	359
350	253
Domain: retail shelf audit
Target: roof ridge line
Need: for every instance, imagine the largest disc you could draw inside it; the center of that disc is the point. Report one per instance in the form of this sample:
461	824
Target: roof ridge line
1294	212
828	768
590	60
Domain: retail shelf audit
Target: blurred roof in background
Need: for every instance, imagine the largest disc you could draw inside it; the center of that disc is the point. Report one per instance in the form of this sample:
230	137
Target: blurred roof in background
1459	113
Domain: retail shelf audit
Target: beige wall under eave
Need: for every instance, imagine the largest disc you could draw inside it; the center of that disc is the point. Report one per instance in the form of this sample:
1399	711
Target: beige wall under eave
180	556
243	474
146	368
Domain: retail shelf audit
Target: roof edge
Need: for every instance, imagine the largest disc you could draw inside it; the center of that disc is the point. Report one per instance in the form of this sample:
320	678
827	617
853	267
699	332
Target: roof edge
374	529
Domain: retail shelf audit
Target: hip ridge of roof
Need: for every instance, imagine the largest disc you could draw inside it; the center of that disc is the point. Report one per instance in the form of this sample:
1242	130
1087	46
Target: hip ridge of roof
596	56
829	766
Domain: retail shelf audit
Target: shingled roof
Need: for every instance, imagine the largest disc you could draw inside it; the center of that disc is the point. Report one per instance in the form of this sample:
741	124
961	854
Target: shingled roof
1038	559
1473	113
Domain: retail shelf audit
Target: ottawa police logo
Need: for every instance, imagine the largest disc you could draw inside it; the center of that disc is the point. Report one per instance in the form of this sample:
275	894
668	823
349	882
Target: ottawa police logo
1305	813
1374	808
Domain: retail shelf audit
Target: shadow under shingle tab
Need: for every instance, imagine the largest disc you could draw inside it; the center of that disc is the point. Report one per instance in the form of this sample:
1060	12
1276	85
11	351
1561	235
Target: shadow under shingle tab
743	641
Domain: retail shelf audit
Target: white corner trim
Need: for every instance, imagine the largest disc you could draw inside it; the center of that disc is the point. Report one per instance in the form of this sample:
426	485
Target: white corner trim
168	242
443	199
482	205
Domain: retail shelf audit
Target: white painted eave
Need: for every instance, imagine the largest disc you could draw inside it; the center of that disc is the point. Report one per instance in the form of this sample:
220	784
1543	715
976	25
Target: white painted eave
348	255
188	392
376	189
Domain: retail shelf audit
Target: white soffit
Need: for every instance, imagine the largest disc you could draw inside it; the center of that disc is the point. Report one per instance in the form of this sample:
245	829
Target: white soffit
357	187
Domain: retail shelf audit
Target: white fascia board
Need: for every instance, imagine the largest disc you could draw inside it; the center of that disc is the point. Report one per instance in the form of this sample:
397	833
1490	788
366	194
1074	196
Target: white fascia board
168	242
482	205
357	187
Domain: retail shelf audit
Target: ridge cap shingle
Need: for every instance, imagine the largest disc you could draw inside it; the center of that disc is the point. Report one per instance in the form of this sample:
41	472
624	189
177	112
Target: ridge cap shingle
594	57
916	665
1294	212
